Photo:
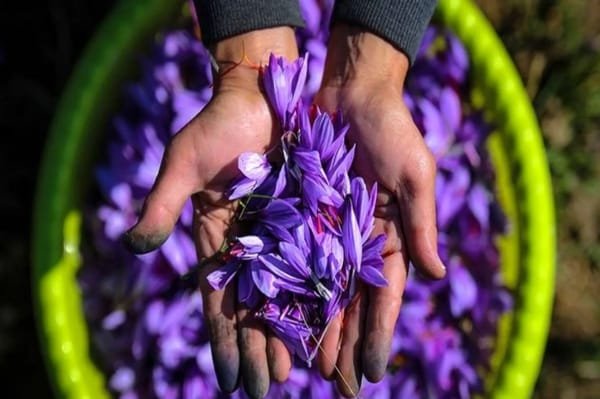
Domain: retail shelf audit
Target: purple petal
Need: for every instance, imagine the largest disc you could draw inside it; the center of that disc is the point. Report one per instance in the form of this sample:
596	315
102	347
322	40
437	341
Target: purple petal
122	380
245	284
298	81
253	245
279	217
340	169
364	204
276	86
450	108
294	258
193	386
437	135
219	278
180	251
281	212
241	188
154	315
114	319
254	166
306	138
264	280
281	268
323	133
351	237
463	295
372	251
372	276
309	162
280	183
479	204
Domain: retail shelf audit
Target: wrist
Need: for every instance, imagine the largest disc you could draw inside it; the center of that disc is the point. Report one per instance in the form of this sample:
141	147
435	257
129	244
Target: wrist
357	56
240	57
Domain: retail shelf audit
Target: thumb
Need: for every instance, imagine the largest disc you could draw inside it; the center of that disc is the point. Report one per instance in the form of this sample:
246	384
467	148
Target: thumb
417	209
177	180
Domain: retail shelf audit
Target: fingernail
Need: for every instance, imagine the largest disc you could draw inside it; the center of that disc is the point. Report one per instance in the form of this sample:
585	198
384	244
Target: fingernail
143	243
442	267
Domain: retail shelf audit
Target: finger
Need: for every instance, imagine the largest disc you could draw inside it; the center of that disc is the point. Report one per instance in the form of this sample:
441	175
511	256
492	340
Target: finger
252	342
349	359
213	217
280	362
330	346
220	316
382	314
176	181
416	198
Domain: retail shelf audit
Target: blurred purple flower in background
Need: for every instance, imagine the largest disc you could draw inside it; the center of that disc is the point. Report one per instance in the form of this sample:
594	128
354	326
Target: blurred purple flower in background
144	312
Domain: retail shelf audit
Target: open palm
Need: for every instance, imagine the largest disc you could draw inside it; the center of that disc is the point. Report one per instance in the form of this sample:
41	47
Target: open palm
391	152
201	162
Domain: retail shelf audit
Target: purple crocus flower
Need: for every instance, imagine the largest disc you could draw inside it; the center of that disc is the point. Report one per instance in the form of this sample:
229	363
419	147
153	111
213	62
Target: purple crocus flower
283	82
255	169
244	248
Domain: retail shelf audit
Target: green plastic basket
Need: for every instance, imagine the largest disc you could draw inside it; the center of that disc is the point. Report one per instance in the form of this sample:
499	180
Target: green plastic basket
523	187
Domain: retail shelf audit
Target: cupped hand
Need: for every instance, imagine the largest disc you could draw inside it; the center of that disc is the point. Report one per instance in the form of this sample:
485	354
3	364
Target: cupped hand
364	78
201	162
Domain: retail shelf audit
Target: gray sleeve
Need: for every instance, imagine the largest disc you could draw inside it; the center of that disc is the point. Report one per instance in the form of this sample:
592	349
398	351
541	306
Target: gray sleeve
401	22
220	19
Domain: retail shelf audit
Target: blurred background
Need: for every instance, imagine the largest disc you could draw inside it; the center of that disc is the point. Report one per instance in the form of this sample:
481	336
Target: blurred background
556	47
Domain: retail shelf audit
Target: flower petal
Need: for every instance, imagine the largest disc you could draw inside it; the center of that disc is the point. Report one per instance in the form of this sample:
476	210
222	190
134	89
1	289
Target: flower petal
253	165
264	280
351	237
241	188
281	268
372	276
219	278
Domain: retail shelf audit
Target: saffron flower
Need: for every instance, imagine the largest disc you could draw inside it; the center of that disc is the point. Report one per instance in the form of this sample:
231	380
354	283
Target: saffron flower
283	83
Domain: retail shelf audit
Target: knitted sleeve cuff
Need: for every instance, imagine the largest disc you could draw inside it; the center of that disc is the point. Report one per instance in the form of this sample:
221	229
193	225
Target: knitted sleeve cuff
220	19
401	22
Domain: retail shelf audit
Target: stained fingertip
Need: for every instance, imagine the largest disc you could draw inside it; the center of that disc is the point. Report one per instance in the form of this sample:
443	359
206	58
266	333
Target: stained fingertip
375	357
140	243
226	368
255	379
349	385
220	320
253	355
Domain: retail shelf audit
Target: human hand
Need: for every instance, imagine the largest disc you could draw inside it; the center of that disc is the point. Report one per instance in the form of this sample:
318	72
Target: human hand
201	162
364	77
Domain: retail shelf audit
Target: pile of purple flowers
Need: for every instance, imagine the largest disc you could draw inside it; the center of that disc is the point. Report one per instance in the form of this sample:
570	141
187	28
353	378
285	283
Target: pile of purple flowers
144	312
308	221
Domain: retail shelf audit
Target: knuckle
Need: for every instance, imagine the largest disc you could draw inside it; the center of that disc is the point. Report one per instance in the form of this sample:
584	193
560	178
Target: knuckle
420	174
425	165
220	330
